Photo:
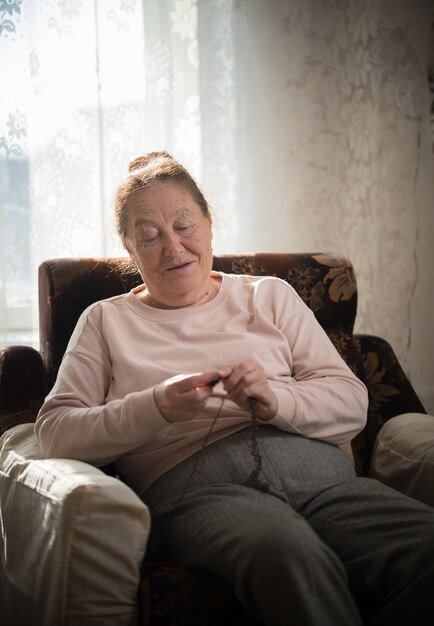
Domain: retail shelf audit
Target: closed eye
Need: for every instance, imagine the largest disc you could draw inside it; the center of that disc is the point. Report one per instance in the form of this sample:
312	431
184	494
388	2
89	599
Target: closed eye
147	241
147	235
185	229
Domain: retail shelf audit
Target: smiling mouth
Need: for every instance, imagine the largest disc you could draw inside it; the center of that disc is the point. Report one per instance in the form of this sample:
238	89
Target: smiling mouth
178	267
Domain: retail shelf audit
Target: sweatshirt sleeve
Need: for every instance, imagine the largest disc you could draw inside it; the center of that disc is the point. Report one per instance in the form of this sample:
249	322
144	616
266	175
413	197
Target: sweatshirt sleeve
76	422
322	399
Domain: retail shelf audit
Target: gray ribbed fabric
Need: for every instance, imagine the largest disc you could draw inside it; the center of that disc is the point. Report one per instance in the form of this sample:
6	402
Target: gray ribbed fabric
320	543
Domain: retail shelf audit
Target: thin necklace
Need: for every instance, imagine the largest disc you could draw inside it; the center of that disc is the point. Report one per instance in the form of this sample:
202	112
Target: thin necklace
209	295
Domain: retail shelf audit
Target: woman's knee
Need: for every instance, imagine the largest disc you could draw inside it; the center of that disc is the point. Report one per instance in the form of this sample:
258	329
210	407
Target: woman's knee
285	547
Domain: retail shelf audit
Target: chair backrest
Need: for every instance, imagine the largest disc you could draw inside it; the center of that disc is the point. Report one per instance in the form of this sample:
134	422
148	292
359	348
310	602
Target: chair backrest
325	281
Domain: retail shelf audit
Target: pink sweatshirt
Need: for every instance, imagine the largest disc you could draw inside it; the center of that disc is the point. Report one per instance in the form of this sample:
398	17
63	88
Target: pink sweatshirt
102	406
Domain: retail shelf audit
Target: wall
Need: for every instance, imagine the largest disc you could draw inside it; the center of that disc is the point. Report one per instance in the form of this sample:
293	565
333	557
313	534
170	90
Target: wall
328	106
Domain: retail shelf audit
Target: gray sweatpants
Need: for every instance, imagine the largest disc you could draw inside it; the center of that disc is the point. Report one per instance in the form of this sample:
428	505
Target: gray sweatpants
321	547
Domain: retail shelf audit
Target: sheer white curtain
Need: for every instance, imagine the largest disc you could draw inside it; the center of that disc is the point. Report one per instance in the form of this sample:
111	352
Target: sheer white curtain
307	123
86	86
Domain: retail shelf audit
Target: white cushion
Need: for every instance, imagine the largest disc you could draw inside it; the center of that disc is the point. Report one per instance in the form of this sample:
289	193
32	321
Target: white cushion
73	539
403	455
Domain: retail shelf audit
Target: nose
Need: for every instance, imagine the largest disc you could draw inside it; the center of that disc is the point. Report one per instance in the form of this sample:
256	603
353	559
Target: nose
172	244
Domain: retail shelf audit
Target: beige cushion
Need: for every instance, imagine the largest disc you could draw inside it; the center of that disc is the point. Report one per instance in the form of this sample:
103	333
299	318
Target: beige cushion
403	455
73	539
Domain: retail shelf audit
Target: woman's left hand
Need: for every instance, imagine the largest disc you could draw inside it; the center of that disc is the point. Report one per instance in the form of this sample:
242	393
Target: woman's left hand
247	380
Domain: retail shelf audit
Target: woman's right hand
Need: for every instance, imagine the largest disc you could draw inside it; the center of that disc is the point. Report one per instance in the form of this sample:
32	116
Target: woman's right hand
183	397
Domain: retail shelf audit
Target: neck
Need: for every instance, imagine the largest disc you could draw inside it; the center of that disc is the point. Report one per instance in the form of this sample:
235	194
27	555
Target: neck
209	292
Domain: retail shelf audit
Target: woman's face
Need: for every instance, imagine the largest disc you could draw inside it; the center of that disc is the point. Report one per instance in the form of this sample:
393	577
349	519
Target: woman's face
169	239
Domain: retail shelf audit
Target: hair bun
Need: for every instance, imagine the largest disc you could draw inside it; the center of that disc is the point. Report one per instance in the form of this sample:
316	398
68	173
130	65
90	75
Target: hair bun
145	159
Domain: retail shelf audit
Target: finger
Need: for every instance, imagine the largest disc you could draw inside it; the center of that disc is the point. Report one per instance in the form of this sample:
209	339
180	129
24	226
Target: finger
179	406
225	370
193	381
244	374
194	397
250	379
209	379
252	385
233	379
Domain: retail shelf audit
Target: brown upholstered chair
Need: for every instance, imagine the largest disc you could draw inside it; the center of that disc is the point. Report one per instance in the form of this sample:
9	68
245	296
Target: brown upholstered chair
171	594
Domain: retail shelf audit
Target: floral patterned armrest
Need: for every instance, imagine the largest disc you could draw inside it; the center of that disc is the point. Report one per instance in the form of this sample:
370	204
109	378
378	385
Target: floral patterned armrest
23	385
390	394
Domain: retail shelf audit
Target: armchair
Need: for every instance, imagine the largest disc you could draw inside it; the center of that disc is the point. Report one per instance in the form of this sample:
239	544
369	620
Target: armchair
73	536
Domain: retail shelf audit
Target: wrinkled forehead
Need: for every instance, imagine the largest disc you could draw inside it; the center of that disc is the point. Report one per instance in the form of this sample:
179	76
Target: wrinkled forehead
146	218
166	201
162	194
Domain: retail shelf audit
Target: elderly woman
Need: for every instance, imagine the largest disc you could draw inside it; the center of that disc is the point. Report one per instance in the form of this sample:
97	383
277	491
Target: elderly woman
224	403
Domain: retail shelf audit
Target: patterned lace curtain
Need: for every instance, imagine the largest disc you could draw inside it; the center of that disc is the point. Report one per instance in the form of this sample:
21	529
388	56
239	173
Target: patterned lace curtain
86	86
307	122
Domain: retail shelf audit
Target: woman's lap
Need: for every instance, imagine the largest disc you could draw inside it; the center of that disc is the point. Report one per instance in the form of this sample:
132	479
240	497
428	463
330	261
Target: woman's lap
294	468
315	509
